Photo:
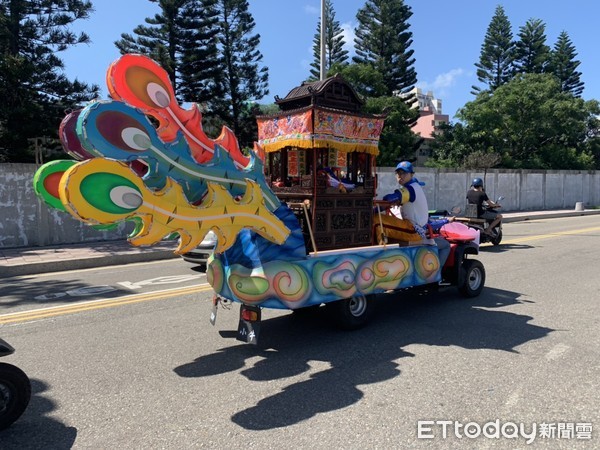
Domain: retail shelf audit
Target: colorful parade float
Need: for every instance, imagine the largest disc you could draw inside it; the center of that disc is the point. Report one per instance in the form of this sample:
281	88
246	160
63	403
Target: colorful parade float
295	217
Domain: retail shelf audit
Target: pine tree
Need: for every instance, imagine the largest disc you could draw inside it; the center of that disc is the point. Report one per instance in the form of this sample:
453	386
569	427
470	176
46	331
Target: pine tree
183	39
531	52
34	89
383	40
563	65
157	39
244	80
495	65
201	63
334	44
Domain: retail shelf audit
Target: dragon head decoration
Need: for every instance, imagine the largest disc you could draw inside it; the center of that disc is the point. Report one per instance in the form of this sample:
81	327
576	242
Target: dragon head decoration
144	158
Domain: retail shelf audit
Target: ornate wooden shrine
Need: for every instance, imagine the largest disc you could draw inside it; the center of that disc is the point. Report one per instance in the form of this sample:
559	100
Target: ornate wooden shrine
321	151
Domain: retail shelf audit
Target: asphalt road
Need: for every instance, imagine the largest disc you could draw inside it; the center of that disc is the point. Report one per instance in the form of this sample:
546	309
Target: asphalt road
151	372
70	288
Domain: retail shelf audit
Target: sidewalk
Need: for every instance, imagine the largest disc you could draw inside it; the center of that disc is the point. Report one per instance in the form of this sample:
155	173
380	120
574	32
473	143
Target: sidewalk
35	260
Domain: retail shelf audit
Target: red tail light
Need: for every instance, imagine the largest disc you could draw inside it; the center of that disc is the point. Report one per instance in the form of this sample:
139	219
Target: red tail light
249	315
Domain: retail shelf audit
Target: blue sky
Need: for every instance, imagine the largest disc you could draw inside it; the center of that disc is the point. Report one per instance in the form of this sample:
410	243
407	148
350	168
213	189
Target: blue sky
447	39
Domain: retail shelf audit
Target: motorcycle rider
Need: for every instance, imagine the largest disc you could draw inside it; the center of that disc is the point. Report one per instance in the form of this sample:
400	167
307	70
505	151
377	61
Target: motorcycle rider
477	196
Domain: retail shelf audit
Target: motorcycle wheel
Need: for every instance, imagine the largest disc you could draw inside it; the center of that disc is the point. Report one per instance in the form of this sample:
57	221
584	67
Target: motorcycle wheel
15	392
474	278
498	236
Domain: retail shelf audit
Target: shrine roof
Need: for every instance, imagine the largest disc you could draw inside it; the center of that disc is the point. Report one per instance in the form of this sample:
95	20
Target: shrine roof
333	92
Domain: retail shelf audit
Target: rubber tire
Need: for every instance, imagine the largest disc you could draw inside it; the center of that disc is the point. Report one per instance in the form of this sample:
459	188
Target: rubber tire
15	388
353	313
474	278
496	240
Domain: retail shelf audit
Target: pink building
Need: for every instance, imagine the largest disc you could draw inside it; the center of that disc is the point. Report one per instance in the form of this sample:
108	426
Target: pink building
430	117
427	123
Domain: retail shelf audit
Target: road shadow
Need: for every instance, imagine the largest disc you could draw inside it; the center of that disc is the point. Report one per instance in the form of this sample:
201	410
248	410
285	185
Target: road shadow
201	268
501	248
289	345
27	291
34	429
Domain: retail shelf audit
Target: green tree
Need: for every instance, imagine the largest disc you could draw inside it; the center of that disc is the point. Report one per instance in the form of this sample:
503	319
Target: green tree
564	66
495	66
201	62
364	78
34	89
531	52
530	123
592	142
158	38
183	39
383	40
244	79
397	140
334	44
451	146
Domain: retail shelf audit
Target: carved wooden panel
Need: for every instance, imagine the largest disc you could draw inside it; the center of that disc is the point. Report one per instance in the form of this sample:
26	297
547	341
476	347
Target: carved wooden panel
344	203
343	221
365	219
321	223
324	242
344	240
306	181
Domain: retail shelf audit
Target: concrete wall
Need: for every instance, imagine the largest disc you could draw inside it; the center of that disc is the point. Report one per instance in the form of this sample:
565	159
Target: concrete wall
26	221
523	190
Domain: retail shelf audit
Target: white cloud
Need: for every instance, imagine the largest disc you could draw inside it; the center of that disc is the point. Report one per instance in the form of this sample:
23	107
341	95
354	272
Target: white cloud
443	82
349	36
312	10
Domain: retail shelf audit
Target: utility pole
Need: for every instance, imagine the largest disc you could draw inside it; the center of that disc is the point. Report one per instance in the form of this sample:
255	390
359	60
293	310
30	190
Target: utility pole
323	22
38	147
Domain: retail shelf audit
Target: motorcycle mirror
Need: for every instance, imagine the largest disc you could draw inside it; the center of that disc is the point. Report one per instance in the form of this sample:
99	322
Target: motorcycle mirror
455	211
500	198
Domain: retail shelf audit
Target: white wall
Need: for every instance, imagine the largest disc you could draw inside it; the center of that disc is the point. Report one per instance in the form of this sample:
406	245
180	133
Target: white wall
25	220
523	190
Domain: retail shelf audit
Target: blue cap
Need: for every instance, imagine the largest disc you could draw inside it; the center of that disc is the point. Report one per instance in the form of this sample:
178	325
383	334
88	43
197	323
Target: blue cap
405	166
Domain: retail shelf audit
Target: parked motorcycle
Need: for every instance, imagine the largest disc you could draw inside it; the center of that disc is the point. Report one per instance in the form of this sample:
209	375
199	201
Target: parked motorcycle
15	389
471	220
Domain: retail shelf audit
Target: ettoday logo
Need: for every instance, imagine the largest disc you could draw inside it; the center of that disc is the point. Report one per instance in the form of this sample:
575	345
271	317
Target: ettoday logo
432	429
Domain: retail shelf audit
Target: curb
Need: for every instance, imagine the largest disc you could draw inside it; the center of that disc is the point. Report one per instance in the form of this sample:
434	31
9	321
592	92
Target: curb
85	263
519	217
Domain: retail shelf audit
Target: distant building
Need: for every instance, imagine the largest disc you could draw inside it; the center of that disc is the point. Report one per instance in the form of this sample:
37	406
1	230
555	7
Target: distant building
430	117
426	101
